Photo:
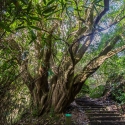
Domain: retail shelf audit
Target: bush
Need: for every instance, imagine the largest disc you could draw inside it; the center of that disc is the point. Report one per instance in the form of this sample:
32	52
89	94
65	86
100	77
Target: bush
97	92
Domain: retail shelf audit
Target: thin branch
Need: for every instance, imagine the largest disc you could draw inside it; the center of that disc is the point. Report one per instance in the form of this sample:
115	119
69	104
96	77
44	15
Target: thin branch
49	42
110	25
98	18
83	49
98	30
110	45
94	64
2	35
80	18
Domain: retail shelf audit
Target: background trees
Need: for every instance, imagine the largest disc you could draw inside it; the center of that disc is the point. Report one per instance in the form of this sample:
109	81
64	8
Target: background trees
52	47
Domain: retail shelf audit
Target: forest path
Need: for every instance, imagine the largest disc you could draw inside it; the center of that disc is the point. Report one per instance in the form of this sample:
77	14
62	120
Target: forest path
100	112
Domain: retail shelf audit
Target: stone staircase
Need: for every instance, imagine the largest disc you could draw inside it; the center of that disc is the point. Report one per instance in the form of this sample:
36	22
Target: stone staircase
98	114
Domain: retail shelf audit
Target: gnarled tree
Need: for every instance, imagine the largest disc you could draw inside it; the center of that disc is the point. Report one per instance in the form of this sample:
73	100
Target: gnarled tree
60	35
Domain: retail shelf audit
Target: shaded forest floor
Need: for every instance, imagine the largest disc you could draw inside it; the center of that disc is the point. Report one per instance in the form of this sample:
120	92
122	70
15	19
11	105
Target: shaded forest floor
78	113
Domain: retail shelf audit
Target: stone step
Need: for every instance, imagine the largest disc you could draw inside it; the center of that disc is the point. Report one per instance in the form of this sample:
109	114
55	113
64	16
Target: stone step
106	118
94	106
98	114
87	104
83	100
103	114
97	111
107	123
91	110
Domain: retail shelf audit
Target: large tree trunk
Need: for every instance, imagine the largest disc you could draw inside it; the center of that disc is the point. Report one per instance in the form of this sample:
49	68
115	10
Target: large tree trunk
58	93
61	90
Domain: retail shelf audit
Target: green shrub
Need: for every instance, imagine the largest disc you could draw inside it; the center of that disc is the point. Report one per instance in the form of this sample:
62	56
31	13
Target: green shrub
97	92
119	95
84	90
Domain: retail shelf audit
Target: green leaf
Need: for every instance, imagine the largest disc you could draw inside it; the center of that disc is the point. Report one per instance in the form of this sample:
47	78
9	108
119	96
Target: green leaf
38	8
96	9
24	2
29	7
44	1
50	2
49	9
21	18
99	5
63	3
97	1
35	18
60	19
5	27
33	36
36	28
48	15
21	27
